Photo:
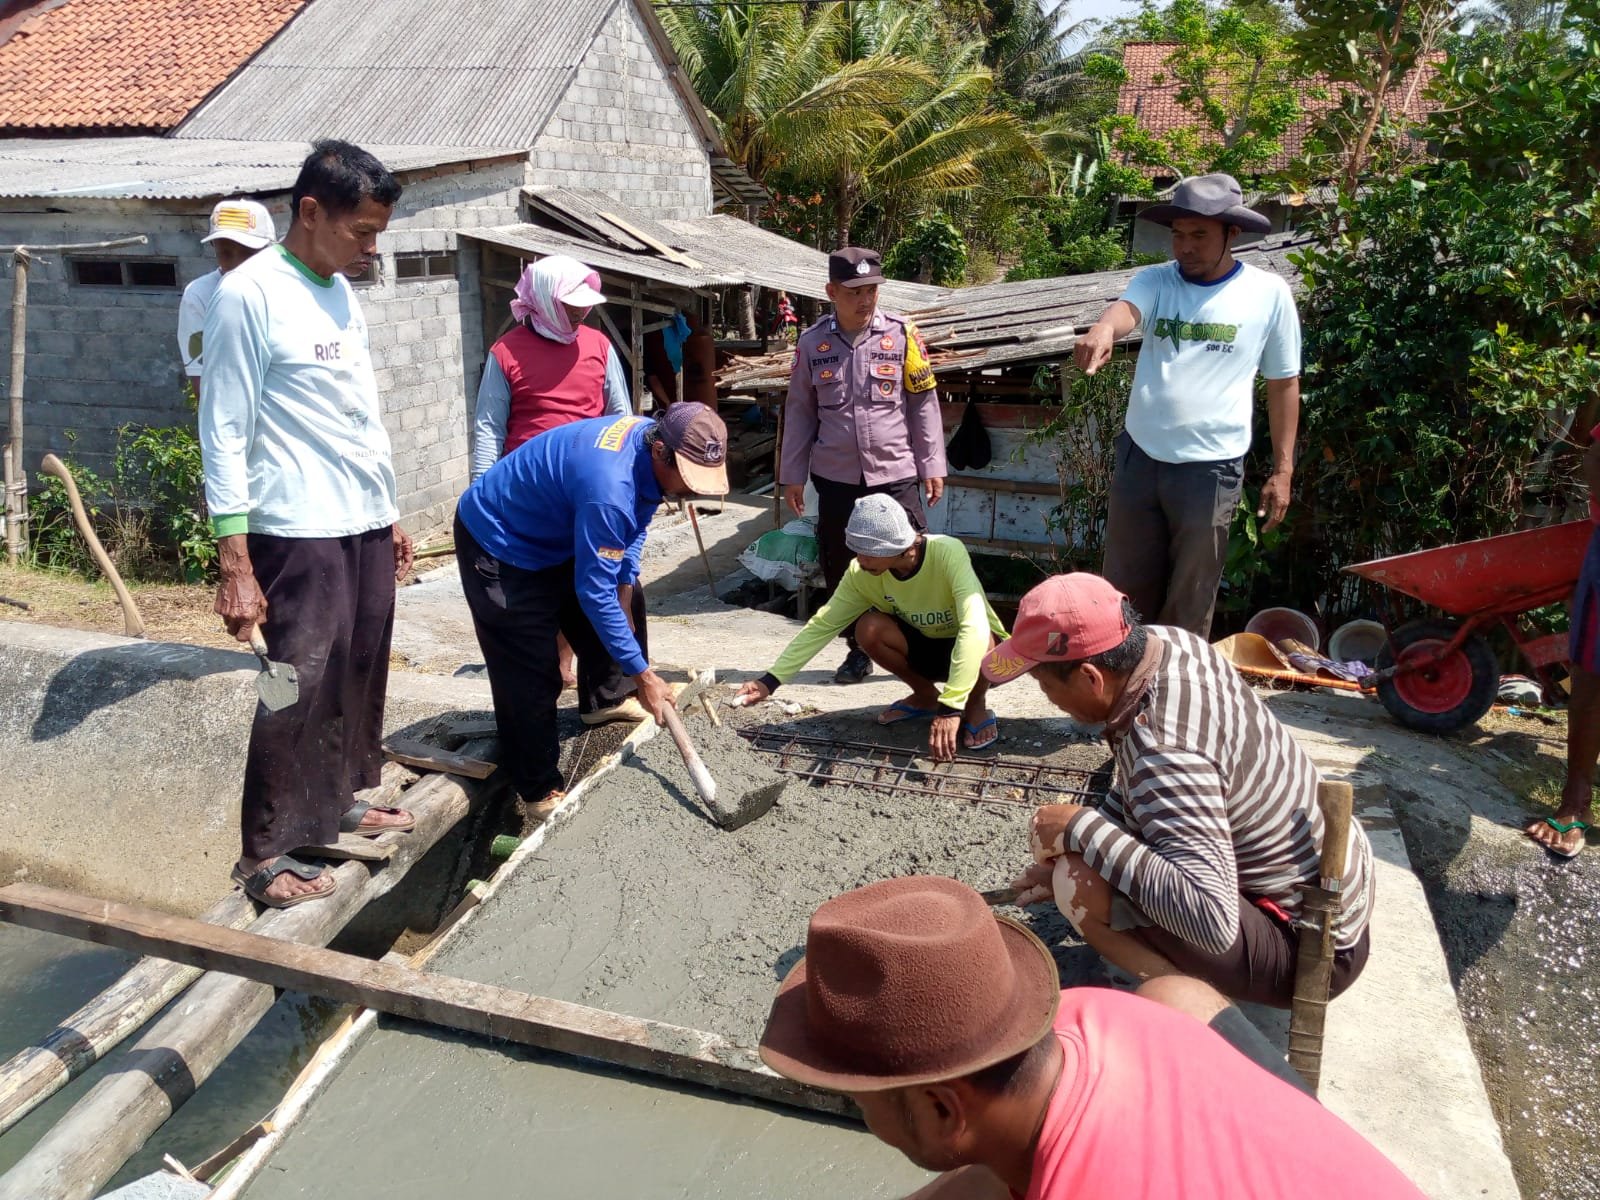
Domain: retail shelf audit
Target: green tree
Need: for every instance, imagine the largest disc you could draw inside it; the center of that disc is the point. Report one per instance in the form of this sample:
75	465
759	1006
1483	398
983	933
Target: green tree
869	104
1233	73
1453	317
1369	51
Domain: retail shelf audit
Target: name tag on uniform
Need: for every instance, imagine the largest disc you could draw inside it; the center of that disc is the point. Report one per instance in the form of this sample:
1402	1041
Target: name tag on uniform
614	434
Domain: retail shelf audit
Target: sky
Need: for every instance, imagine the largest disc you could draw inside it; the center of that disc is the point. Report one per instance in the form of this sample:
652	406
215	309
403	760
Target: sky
1097	10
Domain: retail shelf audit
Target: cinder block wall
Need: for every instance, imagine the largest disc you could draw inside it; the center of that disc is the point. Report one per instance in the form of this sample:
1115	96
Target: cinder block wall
621	129
427	335
99	358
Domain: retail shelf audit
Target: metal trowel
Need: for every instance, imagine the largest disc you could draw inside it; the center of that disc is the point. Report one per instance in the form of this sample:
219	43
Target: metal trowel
278	685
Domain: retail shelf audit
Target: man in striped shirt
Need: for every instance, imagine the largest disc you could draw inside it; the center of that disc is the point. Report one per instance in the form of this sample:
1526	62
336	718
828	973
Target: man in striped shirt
1194	863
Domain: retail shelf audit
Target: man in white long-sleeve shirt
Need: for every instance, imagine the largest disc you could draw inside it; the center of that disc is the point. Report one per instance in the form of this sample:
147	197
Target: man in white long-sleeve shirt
303	503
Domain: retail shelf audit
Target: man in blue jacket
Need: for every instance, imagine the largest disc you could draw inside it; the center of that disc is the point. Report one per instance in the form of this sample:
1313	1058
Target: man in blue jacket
549	539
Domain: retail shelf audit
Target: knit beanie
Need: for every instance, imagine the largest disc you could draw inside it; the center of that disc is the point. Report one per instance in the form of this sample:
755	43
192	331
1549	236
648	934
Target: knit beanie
879	528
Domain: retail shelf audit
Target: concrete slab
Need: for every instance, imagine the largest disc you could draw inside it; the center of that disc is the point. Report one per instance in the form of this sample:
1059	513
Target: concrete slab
125	758
1396	1040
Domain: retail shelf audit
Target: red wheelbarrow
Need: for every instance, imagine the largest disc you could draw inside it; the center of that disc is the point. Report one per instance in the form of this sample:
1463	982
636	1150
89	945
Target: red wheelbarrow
1439	675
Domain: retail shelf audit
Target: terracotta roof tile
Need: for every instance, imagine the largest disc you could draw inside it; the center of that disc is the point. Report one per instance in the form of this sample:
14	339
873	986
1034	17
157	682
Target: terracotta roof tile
1151	95
127	66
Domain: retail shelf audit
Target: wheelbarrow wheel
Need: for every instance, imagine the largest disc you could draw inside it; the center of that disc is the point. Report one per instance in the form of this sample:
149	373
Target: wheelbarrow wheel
1442	696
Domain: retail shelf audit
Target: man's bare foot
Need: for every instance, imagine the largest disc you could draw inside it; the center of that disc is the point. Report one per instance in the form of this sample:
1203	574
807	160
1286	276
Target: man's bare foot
1567	841
286	886
377	820
979	729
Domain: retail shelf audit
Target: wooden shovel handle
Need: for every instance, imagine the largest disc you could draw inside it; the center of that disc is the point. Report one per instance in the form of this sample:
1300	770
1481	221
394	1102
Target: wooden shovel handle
691	757
132	622
1335	798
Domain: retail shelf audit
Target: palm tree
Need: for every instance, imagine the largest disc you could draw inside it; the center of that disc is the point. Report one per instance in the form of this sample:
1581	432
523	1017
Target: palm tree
867	102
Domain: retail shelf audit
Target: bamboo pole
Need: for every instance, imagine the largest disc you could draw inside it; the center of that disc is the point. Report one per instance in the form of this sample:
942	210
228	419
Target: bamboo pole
16	507
36	1073
162	1070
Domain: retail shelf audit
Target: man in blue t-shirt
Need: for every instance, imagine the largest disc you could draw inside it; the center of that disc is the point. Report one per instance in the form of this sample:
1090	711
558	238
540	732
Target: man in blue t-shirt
549	539
1210	324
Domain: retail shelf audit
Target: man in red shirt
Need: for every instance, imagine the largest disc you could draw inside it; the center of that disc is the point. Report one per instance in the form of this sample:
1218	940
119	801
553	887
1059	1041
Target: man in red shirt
945	1023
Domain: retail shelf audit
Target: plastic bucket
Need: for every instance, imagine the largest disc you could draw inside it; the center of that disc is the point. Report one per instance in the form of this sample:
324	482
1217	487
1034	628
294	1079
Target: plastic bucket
1357	641
1277	624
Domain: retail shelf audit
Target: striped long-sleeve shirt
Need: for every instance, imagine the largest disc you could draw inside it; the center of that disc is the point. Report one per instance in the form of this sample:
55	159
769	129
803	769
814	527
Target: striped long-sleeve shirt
1213	801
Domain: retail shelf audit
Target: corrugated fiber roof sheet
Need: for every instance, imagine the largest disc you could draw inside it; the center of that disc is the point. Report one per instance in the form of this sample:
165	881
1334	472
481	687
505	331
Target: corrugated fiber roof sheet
470	72
148	168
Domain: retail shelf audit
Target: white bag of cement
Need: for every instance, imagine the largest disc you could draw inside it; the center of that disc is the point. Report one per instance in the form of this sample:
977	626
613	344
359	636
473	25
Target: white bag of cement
787	556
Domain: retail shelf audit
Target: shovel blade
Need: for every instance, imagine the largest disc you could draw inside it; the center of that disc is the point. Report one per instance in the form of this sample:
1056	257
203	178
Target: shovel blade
278	691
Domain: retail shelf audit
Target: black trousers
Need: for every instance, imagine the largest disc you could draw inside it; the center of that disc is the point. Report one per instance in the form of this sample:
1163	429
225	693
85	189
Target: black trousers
516	615
1167	534
834	503
330	615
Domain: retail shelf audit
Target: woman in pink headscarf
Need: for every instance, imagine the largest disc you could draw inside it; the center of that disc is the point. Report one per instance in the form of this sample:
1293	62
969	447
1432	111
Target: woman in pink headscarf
548	369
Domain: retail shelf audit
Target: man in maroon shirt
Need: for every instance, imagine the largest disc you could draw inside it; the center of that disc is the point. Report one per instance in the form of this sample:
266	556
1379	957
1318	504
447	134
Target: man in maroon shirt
862	417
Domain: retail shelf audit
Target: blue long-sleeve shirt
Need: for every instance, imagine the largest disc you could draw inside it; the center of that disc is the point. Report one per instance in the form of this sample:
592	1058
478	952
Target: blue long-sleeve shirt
583	492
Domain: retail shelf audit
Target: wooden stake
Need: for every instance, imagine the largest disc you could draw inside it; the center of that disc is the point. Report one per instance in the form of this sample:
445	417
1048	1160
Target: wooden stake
685	1055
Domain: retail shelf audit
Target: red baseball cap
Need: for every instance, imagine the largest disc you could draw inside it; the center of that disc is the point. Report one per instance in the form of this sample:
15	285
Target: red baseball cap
1067	618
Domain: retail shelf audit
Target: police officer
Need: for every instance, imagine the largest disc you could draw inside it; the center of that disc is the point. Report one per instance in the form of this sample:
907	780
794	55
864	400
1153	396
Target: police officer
862	418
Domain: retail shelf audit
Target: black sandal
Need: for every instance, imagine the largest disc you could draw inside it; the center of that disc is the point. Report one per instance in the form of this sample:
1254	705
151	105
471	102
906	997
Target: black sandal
350	820
255	885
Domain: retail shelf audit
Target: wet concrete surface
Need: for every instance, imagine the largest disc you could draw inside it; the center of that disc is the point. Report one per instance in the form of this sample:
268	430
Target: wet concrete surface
640	904
1519	933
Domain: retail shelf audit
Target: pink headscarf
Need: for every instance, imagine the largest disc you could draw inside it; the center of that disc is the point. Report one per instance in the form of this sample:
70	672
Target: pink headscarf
545	286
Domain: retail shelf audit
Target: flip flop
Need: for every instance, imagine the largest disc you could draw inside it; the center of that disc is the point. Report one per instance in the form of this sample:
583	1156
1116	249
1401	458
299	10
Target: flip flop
907	711
255	885
975	731
350	820
1564	828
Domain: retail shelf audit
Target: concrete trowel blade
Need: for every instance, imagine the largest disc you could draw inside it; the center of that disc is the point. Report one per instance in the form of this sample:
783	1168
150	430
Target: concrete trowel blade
279	690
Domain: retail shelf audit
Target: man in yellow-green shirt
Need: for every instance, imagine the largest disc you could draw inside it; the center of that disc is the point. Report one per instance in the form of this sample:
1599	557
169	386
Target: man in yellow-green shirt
922	617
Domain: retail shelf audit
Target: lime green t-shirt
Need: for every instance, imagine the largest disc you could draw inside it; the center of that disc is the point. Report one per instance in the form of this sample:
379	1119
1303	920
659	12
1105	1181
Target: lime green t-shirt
943	599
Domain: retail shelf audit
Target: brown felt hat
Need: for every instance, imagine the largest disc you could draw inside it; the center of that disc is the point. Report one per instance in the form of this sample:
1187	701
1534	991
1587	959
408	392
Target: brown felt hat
909	981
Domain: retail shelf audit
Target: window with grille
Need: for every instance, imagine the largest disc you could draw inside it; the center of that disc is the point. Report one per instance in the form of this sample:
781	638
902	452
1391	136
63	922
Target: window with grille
125	272
425	264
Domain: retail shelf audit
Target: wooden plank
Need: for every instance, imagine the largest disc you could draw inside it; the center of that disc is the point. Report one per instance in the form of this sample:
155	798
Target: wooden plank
162	1069
651	1047
349	847
33	1075
432	758
660	247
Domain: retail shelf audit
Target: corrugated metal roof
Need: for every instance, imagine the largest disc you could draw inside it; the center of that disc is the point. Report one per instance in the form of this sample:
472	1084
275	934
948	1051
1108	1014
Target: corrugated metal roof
149	168
472	72
537	240
732	246
713	251
1031	321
